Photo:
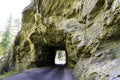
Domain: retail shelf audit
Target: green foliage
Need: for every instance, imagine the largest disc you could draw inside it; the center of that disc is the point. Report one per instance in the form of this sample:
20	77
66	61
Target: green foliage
7	74
1	50
6	41
7	36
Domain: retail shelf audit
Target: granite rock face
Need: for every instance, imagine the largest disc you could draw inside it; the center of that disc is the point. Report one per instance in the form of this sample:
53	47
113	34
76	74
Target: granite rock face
88	30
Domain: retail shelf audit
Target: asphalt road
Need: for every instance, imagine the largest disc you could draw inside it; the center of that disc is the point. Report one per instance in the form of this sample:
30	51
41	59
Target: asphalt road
44	73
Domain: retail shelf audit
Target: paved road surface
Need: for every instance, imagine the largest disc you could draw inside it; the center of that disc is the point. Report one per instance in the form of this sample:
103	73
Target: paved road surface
45	73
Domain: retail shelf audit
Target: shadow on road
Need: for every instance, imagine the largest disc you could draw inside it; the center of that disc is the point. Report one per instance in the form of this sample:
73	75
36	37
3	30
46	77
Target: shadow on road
44	73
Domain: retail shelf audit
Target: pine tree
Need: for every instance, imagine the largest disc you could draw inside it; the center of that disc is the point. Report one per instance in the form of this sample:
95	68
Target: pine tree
12	28
7	35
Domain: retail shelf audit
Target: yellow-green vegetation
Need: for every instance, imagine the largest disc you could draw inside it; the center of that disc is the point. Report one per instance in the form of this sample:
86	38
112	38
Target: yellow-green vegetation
7	74
1	50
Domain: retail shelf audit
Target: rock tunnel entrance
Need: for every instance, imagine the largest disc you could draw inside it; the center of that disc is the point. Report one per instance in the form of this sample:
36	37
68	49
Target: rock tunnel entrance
45	56
45	48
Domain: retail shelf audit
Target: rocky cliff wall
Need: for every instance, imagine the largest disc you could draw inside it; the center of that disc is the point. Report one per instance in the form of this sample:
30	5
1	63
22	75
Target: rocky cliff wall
88	30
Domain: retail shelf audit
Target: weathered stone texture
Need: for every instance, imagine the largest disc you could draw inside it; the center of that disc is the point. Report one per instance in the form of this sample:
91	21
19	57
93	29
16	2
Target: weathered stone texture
88	30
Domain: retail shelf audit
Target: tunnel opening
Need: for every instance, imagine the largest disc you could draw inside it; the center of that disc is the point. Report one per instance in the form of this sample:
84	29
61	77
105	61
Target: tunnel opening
45	56
51	55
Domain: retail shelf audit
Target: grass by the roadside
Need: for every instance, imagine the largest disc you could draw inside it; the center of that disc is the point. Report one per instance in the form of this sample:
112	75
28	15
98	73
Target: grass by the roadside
7	74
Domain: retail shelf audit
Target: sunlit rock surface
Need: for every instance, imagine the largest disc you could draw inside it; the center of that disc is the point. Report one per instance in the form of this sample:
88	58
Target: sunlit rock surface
88	30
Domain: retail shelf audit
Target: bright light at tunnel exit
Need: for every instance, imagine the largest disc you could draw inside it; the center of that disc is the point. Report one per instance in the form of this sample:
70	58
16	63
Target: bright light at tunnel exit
60	58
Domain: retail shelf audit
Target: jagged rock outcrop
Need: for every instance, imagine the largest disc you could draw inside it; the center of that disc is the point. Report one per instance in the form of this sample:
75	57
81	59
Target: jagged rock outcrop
88	30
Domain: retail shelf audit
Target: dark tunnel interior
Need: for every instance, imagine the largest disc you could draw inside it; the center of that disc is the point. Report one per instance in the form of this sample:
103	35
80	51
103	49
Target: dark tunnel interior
45	56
